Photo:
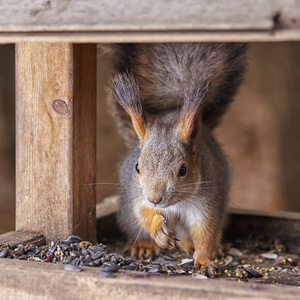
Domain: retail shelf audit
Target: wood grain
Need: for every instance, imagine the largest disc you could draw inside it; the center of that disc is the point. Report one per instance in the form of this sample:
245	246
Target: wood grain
112	21
278	35
55	150
32	280
113	15
15	238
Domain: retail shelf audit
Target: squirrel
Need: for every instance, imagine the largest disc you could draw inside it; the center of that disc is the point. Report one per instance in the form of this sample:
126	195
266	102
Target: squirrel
167	98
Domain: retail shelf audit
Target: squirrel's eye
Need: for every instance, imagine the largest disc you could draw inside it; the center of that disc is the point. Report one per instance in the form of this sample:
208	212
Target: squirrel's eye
137	168
182	171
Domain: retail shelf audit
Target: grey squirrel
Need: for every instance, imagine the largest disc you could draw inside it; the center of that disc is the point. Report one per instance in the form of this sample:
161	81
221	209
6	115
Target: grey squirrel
167	98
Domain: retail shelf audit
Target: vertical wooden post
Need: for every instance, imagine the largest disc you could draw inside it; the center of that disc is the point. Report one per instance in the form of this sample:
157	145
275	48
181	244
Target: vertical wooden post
55	139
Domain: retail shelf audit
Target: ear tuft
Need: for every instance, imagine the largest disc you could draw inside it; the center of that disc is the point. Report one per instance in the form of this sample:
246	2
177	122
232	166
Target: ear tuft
126	92
191	112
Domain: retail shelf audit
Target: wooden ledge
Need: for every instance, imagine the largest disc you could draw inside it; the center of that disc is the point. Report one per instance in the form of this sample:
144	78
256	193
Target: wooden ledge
15	238
24	280
278	35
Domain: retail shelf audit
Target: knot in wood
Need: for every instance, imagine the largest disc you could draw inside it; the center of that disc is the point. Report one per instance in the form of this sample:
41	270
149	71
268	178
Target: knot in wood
60	106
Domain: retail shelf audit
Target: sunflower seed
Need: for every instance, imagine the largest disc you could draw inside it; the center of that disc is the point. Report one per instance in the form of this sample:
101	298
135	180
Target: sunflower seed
110	268
198	276
269	255
72	268
106	274
4	252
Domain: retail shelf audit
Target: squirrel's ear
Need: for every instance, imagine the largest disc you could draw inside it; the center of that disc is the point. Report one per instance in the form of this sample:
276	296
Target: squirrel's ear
126	92
191	112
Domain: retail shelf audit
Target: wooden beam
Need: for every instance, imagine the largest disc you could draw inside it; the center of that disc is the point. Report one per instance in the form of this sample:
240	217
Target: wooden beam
32	280
135	15
278	35
55	139
15	238
76	21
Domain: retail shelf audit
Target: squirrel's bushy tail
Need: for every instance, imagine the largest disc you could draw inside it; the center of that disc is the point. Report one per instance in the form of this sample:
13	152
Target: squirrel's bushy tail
164	74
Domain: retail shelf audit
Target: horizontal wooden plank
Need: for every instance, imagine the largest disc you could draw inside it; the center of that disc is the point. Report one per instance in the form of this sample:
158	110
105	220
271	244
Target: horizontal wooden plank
32	280
263	213
14	238
92	15
148	21
283	226
279	35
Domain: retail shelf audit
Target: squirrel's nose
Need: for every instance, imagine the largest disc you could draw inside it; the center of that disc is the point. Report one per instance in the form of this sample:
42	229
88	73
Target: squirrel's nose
155	200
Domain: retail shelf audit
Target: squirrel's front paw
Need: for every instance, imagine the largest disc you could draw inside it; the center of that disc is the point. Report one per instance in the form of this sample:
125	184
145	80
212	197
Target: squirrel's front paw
203	266
163	237
143	249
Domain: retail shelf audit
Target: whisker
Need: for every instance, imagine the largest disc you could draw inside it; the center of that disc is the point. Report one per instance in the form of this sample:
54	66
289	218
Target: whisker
184	192
136	182
194	183
103	183
193	189
137	237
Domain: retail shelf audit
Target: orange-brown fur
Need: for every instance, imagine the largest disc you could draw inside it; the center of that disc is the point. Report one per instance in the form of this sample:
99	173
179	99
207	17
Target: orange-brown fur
206	242
139	126
187	246
144	249
150	220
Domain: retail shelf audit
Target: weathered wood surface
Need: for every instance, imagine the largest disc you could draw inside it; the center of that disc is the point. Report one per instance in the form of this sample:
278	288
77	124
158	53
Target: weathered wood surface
148	21
113	15
32	280
55	139
14	238
248	224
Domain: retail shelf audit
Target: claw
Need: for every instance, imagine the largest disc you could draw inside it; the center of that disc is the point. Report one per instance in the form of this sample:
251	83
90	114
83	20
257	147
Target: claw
144	249
164	237
208	270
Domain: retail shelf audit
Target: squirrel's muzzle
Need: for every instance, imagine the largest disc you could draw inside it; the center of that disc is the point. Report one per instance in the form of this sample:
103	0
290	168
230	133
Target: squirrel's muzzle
154	200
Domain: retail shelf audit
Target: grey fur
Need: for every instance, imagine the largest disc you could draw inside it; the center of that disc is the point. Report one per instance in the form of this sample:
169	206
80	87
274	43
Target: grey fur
166	72
168	83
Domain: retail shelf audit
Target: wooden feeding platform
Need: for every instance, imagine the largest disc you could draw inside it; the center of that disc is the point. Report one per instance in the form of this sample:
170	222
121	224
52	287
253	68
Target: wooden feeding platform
56	131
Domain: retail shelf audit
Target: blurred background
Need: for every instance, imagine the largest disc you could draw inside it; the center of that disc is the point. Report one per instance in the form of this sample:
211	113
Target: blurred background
260	133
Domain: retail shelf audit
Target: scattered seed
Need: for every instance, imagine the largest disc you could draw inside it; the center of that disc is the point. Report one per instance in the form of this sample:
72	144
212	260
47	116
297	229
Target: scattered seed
106	274
75	262
49	258
292	261
252	272
281	260
185	261
269	255
235	252
110	268
71	268
4	252
228	260
198	276
271	269
131	267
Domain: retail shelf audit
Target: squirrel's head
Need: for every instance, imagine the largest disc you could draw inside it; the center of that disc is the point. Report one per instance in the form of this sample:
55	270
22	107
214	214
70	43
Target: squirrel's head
168	167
